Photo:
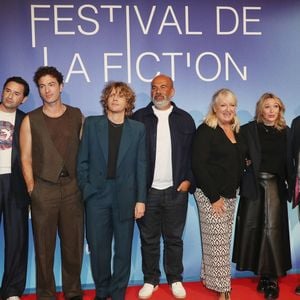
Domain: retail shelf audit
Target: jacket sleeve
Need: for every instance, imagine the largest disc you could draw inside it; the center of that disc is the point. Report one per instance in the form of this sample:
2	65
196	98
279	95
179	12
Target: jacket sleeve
190	174
83	163
142	167
200	157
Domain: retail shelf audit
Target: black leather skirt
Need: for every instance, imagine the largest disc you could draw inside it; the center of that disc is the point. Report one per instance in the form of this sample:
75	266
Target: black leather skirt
261	242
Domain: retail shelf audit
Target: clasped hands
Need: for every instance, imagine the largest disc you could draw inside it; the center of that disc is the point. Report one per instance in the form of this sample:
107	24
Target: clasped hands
219	207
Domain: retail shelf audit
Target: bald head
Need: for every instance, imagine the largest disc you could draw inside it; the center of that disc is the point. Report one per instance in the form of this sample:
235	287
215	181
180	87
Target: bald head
163	77
162	91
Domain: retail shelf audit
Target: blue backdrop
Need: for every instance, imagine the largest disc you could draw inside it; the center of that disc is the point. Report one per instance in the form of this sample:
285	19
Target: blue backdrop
248	46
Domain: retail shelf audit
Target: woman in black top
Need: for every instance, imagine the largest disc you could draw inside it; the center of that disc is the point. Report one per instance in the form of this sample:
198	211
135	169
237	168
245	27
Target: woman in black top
262	234
217	163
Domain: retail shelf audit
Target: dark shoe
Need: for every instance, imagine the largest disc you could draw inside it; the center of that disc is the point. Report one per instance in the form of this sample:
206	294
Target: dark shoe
272	290
262	284
297	290
100	298
79	297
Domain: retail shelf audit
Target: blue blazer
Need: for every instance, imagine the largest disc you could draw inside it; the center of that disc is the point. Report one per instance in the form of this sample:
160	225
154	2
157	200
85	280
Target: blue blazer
131	164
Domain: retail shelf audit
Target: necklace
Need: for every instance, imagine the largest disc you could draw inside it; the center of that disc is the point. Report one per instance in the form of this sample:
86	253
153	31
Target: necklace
115	125
267	128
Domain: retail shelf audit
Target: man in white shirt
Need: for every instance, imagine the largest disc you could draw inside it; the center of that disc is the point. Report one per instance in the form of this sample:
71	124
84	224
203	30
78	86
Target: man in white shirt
14	199
169	134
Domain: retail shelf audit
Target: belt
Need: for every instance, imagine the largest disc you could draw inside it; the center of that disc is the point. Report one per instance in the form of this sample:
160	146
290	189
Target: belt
265	175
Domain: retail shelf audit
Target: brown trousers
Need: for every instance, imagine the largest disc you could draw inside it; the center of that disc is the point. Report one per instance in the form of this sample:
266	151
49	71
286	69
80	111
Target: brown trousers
57	208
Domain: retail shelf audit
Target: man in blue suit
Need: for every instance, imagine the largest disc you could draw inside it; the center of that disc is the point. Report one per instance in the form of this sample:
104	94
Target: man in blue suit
112	176
14	199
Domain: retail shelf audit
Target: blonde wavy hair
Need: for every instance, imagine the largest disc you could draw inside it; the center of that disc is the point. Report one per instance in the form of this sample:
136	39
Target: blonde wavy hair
280	122
124	90
211	119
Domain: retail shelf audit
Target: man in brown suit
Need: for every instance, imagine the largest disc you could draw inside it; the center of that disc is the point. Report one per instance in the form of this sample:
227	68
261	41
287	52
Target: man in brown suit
49	142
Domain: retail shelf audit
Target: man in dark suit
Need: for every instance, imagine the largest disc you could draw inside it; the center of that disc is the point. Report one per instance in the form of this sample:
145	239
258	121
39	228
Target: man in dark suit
112	176
296	155
14	199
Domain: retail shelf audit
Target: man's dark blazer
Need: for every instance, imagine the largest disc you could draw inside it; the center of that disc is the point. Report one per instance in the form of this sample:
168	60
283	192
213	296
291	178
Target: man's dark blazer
182	131
131	164
295	127
18	186
296	139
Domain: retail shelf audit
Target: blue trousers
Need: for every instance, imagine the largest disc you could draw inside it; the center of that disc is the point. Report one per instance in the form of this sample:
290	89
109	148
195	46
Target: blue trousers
104	229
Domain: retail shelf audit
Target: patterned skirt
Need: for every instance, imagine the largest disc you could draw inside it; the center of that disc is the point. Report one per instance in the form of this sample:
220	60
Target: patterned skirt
216	233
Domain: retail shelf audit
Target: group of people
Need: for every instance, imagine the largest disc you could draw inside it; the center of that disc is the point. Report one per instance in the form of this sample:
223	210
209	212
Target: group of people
255	159
104	172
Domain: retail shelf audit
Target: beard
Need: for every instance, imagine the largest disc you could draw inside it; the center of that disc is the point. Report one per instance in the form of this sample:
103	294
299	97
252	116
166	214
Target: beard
159	104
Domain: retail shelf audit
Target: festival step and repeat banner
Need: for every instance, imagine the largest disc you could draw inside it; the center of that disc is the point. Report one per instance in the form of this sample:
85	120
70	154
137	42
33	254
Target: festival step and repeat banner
250	47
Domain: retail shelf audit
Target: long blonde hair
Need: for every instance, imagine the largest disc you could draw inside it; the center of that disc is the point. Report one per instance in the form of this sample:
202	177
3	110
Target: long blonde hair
211	119
280	122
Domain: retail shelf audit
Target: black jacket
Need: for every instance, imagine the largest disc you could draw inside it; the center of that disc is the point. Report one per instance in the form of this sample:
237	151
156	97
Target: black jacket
295	147
182	129
217	162
18	189
250	183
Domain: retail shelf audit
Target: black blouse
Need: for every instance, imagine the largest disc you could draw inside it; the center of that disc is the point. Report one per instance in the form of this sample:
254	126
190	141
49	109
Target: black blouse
273	149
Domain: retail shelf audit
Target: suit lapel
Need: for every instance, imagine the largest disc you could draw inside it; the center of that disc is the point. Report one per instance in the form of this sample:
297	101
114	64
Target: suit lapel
255	138
15	144
126	139
102	136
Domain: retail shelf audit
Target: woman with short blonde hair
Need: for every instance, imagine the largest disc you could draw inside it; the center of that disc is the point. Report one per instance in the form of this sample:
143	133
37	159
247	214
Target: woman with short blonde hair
217	163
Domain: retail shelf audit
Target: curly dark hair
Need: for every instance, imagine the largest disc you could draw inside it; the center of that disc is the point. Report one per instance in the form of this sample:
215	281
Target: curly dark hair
45	70
124	89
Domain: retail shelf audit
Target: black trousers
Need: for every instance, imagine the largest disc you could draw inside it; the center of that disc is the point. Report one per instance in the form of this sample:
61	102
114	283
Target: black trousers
165	217
15	224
